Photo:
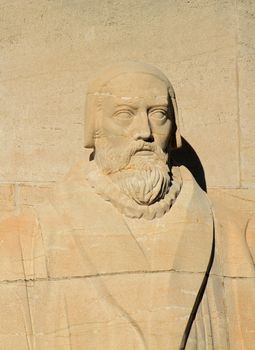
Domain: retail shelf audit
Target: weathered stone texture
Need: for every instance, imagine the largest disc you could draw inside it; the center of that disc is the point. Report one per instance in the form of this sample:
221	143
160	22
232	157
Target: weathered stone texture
68	279
49	48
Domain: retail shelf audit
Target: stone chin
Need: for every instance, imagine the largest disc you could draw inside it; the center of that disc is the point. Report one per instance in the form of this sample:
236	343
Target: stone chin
143	181
139	170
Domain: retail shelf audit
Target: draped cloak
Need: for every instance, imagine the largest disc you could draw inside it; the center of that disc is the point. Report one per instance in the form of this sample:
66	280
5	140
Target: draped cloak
78	275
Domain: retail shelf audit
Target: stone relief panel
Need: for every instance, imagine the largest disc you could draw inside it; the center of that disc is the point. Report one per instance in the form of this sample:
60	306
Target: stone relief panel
128	251
146	238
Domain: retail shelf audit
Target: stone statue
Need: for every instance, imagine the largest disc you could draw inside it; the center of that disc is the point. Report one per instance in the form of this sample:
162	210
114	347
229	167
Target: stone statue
121	255
131	121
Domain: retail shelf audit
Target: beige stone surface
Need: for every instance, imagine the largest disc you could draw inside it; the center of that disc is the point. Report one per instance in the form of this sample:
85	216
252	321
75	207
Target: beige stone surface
74	295
100	277
49	48
78	271
22	255
84	249
234	210
246	30
7	197
234	262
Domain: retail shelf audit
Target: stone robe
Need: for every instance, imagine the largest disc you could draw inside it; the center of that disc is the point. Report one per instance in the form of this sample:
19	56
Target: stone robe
76	274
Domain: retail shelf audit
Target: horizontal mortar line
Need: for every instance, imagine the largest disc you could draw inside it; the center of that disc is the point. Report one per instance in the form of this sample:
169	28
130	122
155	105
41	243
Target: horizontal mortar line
109	274
104	274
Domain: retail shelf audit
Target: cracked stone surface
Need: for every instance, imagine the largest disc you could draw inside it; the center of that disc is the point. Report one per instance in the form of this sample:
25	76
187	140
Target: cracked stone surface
70	282
58	292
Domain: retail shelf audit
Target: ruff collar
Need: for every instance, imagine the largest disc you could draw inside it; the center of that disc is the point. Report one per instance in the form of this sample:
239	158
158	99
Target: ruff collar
111	192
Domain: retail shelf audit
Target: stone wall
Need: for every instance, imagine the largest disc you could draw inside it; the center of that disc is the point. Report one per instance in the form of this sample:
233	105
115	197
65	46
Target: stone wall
50	48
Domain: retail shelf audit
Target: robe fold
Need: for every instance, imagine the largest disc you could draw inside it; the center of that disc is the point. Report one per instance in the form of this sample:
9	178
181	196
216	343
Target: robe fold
78	275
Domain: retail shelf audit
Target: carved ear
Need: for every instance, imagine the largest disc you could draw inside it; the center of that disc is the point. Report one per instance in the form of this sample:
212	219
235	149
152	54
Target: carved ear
89	121
176	141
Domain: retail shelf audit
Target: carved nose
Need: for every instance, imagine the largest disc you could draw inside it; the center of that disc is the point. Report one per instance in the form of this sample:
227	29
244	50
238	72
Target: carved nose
144	136
143	130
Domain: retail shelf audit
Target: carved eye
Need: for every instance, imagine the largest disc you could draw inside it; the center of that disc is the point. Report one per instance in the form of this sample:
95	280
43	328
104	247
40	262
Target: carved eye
124	114
159	114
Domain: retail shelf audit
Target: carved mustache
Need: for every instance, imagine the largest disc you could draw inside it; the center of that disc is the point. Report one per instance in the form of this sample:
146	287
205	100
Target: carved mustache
112	159
141	145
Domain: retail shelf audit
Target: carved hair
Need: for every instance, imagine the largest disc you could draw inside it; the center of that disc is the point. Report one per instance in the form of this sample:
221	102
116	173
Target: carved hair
96	89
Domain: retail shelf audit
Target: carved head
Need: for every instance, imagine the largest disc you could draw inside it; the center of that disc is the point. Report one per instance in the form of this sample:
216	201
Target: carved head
134	101
131	122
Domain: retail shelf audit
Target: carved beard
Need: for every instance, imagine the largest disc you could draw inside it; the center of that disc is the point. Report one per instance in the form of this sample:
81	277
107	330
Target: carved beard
139	169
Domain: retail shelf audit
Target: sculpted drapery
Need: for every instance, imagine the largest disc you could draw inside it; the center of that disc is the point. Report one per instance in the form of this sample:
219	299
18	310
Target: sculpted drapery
127	252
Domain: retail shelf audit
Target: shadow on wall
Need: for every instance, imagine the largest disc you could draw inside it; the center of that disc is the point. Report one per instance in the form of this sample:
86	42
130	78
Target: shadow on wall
188	157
